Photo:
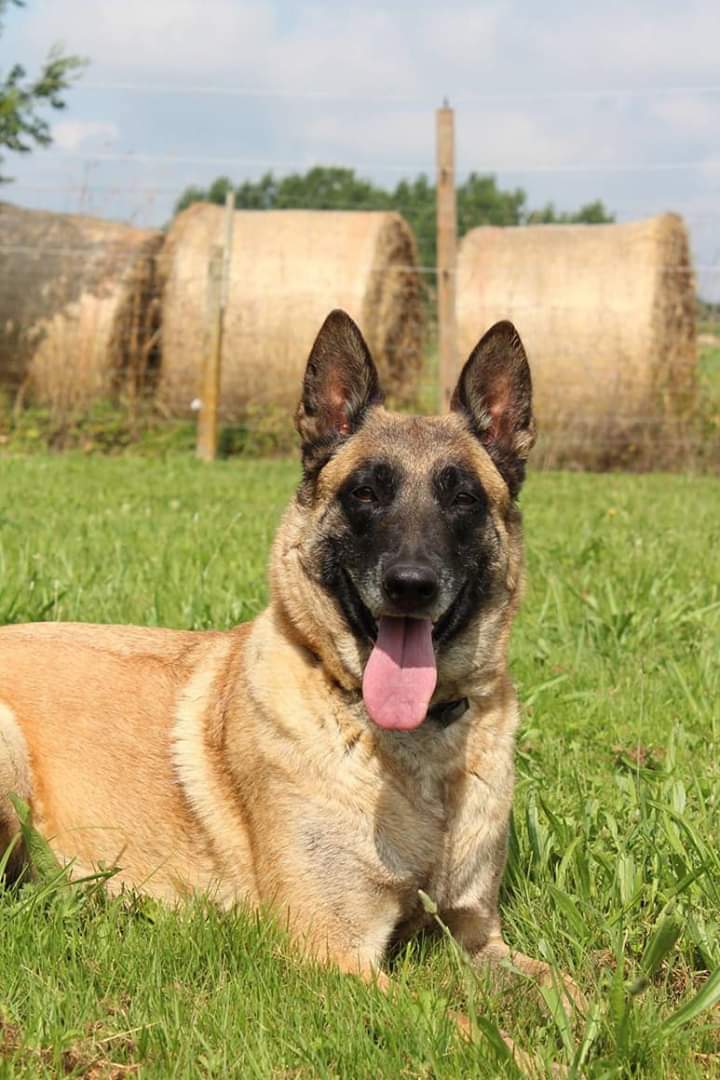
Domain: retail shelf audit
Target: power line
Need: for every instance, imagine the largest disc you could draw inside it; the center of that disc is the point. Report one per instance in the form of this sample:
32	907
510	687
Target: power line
402	99
416	167
172	189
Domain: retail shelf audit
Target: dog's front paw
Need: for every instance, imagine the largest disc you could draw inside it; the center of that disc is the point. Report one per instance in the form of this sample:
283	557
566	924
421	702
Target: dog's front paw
500	955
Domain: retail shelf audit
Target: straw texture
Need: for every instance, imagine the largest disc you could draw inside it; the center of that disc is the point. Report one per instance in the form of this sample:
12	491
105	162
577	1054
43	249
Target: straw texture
73	304
289	269
606	312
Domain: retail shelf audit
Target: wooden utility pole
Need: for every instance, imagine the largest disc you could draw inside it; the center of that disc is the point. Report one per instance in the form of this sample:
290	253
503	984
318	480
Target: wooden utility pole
446	253
218	288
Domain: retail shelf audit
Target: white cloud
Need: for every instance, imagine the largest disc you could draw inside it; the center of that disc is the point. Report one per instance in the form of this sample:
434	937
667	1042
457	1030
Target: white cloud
620	44
467	50
186	38
521	75
690	116
71	134
418	49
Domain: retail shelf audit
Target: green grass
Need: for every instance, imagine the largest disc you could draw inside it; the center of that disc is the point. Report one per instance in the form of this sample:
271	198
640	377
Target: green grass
615	862
709	380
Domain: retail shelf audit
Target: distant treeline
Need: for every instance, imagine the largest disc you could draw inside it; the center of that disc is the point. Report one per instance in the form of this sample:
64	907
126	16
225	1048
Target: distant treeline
479	200
708	310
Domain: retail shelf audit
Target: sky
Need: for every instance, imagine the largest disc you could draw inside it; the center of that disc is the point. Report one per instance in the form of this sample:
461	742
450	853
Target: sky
571	101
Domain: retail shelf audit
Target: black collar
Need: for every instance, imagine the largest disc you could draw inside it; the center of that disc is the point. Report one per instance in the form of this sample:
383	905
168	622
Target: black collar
446	713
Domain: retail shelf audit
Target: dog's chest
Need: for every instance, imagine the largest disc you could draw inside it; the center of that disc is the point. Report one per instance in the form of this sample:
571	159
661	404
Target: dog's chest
392	815
376	830
409	831
451	842
404	832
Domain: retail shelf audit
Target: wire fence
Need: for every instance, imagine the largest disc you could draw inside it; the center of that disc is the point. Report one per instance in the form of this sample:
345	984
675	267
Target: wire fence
44	266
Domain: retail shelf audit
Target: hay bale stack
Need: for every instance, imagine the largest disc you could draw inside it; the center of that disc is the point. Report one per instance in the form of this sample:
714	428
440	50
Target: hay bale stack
74	299
607	313
289	268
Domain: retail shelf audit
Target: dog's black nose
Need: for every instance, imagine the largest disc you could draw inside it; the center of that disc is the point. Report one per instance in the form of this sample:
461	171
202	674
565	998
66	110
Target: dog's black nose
410	586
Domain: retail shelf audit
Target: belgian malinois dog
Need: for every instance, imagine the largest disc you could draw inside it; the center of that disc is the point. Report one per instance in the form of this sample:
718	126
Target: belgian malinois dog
351	746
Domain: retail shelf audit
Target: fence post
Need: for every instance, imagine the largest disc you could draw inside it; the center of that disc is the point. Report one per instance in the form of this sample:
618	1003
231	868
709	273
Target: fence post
218	287
446	254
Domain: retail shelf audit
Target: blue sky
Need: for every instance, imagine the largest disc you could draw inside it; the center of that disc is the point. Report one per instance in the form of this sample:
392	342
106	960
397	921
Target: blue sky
571	101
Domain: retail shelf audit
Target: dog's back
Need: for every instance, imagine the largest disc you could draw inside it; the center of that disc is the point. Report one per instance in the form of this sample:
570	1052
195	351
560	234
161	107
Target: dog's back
87	723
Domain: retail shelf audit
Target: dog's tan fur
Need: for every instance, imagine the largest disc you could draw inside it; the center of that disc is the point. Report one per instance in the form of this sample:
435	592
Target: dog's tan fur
243	763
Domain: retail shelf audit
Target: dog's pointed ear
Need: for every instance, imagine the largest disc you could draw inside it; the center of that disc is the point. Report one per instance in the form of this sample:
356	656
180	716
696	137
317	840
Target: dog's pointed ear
494	392
340	384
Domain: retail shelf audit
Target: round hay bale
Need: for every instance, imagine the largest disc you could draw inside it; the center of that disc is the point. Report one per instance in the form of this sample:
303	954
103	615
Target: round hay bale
74	298
607	314
289	268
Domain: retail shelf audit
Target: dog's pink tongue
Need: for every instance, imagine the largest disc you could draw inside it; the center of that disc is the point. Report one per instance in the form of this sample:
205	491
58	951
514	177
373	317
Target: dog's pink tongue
400	675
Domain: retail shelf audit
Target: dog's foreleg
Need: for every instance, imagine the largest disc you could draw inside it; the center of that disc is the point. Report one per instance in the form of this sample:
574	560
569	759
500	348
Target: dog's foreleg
352	938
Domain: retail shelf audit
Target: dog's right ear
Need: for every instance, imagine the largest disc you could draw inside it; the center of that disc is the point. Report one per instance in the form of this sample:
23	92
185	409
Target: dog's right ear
340	385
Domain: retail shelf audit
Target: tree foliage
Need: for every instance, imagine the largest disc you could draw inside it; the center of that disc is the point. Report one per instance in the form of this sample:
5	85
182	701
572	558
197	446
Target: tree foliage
479	201
22	126
592	213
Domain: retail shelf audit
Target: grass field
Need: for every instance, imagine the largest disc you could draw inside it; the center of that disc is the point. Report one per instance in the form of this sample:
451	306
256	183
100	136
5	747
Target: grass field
615	863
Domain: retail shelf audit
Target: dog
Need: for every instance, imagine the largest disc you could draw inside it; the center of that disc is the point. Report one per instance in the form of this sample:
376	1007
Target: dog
352	748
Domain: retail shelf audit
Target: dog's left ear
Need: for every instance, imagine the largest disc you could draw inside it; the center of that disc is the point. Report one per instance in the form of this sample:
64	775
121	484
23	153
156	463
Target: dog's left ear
340	384
494	392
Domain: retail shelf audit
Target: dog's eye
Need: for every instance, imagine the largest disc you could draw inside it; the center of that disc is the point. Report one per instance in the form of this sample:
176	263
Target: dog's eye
365	494
464	499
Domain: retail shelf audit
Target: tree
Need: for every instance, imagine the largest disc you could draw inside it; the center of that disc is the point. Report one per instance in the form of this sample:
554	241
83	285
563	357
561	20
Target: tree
481	202
592	213
21	125
415	200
